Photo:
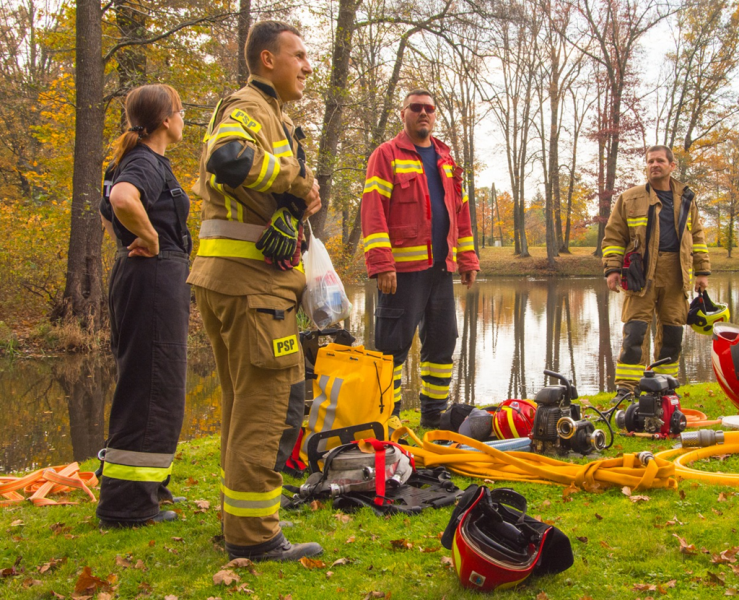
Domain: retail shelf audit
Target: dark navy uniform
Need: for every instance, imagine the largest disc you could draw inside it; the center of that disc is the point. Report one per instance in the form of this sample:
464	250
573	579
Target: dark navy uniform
149	303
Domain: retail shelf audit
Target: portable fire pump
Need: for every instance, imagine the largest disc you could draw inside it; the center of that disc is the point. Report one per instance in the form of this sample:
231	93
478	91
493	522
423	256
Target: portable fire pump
656	408
558	423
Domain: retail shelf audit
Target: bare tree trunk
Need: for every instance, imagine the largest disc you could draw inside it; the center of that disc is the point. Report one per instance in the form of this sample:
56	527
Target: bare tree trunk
244	24
83	292
332	116
378	134
497	210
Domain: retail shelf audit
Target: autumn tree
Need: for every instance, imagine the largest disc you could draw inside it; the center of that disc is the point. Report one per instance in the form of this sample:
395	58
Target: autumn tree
613	30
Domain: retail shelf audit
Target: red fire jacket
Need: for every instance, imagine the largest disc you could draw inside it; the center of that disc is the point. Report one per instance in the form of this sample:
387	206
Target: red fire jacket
396	211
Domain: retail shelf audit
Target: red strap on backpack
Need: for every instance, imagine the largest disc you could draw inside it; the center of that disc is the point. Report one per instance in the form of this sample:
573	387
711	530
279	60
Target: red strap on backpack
380	449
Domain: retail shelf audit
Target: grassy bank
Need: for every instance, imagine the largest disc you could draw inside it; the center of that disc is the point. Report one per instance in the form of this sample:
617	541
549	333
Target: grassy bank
500	262
623	549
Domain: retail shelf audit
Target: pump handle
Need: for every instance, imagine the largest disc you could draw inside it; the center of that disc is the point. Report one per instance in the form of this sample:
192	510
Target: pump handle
663	361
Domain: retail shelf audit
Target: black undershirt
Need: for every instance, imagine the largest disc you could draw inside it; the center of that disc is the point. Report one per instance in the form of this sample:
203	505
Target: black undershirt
668	240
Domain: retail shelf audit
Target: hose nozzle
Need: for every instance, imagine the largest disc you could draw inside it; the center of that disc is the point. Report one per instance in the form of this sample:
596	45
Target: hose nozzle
645	457
701	438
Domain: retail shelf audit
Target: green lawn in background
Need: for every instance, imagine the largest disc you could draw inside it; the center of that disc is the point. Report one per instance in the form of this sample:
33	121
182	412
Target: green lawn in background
623	549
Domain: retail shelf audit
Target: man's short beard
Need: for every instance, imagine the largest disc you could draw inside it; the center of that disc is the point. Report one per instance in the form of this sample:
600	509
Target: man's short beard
424	133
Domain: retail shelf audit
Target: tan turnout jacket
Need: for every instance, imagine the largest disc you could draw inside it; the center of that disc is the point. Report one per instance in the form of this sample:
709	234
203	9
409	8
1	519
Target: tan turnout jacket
627	229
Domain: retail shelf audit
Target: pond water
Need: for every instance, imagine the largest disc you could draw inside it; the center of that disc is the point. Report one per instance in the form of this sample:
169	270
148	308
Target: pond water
53	411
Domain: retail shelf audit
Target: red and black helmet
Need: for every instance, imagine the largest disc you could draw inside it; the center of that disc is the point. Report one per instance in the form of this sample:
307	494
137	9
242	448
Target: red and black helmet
725	358
495	546
514	419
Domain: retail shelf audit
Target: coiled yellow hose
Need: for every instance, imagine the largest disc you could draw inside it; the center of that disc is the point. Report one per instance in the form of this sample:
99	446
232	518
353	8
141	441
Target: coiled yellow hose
486	462
685	456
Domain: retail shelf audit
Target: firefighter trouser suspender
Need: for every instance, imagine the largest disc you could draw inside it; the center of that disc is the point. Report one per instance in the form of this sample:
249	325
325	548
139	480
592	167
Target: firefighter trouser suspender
149	305
665	298
424	298
263	399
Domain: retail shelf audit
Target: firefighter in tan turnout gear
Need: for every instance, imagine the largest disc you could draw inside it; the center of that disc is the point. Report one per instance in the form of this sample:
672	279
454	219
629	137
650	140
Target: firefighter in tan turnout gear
655	225
248	280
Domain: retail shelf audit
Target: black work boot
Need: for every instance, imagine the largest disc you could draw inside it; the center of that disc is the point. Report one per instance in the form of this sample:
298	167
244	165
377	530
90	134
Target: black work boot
622	394
277	549
163	516
431	420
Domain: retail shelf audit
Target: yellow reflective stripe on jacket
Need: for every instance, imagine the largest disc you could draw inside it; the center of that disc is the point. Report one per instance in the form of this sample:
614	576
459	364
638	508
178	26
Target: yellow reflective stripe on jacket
629	372
448	170
700	248
225	248
251	504
668	369
228	130
130	473
407	166
466	244
441	370
454	254
608	250
376	240
637	221
282	148
270	170
465	196
228	200
212	121
382	187
437	392
690	222
410	253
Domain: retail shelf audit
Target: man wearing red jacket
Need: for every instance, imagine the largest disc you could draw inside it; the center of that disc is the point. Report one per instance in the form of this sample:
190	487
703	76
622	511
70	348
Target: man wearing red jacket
416	228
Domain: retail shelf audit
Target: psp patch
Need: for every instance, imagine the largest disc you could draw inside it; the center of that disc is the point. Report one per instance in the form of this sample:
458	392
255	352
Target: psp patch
243	118
286	345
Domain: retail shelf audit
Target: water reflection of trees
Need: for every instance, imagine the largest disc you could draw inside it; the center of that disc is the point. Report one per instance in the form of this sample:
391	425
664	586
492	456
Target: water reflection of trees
55	411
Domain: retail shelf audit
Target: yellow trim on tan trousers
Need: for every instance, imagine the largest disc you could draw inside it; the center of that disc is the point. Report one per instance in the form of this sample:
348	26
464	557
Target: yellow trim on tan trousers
261	370
664	298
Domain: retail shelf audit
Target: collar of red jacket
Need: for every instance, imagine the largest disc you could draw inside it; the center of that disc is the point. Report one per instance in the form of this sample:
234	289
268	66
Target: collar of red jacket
403	141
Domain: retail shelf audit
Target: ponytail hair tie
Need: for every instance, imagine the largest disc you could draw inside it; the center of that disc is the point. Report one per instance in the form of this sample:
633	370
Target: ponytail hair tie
138	129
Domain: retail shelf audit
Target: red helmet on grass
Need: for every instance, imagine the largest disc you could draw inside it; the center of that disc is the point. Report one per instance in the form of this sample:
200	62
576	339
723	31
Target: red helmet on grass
514	419
725	358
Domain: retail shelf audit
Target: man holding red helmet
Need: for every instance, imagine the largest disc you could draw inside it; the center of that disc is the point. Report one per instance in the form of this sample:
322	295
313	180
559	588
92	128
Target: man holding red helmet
416	228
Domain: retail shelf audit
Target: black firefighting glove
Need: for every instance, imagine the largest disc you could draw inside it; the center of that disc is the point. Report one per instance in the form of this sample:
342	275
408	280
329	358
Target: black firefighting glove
634	273
292	262
280	238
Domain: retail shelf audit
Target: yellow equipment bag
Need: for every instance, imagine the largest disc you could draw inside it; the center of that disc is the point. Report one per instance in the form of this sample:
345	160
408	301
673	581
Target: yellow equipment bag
352	386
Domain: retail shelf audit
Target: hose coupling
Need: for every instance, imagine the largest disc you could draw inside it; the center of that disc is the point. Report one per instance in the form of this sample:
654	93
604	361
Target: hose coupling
645	457
101	454
701	438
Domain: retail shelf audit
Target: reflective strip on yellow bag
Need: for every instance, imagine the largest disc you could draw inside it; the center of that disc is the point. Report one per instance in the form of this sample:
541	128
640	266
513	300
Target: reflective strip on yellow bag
352	386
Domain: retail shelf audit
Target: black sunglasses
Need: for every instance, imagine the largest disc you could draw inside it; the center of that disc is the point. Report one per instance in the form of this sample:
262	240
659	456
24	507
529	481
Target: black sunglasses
418	107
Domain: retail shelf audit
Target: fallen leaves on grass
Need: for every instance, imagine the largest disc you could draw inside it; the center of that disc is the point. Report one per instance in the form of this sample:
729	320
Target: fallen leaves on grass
225	577
402	544
626	490
351	539
312	563
17	523
342	517
30	582
582	539
725	557
568	491
446	561
636	499
731	592
341	561
52	564
686	548
597	516
371	595
12	571
722	497
316	505
87	583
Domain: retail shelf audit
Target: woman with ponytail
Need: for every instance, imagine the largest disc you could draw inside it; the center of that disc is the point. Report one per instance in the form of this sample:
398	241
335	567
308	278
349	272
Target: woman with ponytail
145	210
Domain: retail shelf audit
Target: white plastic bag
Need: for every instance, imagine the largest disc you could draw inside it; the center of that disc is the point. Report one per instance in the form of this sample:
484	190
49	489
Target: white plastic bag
324	298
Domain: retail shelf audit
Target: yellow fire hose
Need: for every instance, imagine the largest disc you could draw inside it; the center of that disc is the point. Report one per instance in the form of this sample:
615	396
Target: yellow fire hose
490	463
638	471
685	456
